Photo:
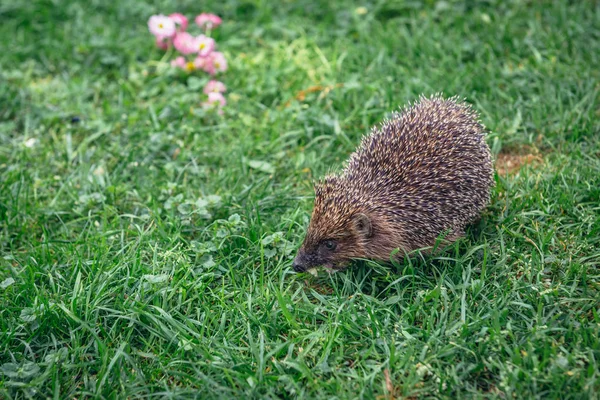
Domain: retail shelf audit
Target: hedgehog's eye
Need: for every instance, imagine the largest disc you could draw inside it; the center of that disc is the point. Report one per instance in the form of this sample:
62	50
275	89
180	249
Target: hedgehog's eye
330	244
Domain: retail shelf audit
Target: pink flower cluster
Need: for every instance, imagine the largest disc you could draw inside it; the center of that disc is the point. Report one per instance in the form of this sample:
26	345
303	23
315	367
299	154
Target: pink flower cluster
197	52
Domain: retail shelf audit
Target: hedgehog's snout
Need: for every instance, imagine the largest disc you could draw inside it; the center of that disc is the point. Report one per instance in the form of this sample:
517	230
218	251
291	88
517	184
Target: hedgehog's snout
298	267
305	260
300	263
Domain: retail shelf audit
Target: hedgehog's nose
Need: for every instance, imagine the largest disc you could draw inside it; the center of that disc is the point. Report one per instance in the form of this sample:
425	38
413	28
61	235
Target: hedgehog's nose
299	265
298	268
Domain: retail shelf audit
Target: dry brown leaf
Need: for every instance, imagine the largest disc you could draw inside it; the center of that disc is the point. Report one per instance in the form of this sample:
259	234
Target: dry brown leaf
301	95
388	383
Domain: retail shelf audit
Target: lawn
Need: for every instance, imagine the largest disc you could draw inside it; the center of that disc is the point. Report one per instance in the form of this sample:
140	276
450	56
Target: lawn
146	243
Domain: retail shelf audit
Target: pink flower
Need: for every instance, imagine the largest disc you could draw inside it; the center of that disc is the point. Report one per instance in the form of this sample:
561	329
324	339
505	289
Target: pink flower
215	100
162	26
208	21
178	62
203	63
214	87
189	66
163	42
184	43
204	45
213	63
180	21
219	63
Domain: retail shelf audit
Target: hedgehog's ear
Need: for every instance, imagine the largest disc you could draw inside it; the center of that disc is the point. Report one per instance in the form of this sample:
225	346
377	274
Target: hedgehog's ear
363	225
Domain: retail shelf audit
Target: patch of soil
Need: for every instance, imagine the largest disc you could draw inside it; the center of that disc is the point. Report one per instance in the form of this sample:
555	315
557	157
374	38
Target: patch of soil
511	161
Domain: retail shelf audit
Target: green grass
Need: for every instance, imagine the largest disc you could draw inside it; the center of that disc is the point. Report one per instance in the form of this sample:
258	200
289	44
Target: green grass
116	283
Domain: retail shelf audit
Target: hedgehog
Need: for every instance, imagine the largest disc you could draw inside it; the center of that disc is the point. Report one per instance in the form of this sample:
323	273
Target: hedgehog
420	177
